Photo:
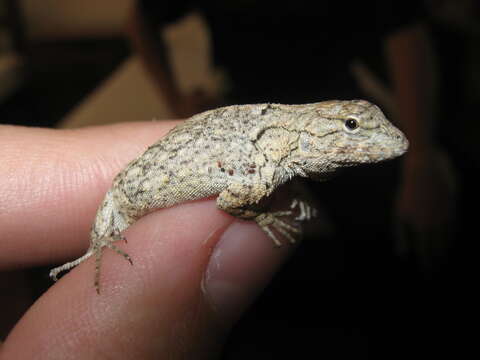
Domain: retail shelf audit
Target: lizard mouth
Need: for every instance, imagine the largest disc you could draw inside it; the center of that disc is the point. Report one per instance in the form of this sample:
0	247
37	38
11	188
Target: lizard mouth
374	153
386	146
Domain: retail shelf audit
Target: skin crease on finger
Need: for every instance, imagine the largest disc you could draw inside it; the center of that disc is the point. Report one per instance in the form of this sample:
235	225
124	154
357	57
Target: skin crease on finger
162	294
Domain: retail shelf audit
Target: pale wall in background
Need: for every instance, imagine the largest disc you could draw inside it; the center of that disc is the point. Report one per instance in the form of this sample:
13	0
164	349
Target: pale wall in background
53	19
128	94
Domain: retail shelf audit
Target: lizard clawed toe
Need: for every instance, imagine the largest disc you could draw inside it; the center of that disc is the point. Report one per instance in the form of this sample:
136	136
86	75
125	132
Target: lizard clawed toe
307	212
270	220
99	246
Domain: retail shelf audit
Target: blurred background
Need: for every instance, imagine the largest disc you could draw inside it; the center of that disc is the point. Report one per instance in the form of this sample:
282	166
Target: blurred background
363	290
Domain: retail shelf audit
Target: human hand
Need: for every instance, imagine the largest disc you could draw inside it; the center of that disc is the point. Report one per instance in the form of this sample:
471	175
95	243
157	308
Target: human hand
425	209
195	268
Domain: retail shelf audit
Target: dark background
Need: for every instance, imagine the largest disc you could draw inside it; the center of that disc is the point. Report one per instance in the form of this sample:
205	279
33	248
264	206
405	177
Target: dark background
337	298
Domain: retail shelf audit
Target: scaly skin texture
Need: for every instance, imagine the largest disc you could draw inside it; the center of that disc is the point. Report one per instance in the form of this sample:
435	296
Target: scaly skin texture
243	153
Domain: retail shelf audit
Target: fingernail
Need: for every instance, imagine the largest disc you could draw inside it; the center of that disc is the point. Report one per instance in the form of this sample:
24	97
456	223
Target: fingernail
241	265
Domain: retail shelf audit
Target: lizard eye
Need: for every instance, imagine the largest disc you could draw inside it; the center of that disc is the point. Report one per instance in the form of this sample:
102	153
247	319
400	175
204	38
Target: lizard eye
351	124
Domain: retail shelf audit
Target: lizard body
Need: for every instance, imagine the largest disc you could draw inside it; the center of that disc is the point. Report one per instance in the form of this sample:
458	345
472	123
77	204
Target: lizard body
243	153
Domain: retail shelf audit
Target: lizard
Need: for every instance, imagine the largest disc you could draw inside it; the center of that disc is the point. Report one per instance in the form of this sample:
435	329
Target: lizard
243	153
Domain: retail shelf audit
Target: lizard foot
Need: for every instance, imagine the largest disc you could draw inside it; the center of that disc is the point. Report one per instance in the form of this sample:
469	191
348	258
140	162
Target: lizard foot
270	221
95	249
307	212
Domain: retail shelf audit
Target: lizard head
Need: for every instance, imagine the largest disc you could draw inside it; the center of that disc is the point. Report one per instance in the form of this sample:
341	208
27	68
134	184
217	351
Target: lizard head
347	133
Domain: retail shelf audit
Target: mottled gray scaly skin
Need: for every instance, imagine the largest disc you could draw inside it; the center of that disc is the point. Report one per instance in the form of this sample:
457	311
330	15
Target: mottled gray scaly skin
243	153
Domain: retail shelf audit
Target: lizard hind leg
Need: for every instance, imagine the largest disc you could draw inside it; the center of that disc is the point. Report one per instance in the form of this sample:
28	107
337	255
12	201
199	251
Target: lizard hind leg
96	249
109	223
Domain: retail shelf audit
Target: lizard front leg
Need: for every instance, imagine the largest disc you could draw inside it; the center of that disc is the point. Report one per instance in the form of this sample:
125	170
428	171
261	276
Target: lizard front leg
250	201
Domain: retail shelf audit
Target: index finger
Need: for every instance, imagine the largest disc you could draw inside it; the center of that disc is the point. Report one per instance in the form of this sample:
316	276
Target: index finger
52	181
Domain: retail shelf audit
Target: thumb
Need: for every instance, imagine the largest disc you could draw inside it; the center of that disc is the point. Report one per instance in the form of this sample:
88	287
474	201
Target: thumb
195	270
